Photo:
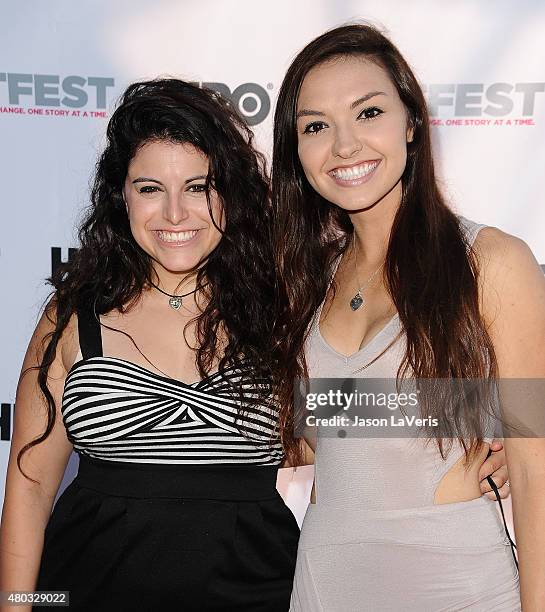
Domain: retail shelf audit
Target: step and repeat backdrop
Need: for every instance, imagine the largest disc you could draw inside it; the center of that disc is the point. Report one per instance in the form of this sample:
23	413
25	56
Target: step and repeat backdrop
64	64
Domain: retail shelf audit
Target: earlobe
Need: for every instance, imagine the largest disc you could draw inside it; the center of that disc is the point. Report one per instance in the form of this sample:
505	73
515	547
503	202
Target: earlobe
410	127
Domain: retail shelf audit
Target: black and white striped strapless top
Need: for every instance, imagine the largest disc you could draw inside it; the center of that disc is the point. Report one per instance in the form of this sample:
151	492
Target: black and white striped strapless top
117	410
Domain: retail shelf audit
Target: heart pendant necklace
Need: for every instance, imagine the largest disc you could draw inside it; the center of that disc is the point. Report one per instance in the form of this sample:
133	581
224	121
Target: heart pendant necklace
358	300
174	301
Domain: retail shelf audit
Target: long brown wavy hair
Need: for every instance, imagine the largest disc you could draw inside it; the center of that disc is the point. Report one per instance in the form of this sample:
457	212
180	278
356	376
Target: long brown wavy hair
109	270
430	270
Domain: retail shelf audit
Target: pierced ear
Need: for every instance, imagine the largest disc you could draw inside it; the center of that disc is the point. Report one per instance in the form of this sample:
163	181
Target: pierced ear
410	127
124	200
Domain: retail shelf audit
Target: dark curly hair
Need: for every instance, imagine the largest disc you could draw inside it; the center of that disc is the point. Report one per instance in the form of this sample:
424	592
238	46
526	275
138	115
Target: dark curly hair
110	270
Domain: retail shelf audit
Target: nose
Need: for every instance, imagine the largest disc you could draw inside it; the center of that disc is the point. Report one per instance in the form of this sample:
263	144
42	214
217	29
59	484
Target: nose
175	209
346	143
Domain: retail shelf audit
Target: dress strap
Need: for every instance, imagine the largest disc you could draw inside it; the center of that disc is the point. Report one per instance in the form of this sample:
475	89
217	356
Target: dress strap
90	335
470	229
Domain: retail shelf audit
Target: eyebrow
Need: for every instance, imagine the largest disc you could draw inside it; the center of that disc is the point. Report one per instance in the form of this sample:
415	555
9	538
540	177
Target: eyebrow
305	112
144	179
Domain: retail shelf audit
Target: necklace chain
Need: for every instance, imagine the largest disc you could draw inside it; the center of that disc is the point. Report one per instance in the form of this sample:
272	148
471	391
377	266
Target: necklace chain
358	300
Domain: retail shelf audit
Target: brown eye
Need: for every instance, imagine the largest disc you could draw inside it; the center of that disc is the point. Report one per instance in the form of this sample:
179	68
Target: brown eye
314	127
148	189
370	113
199	188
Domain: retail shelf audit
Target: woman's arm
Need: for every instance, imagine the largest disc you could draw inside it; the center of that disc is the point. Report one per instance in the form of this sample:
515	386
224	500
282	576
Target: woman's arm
27	505
495	467
513	301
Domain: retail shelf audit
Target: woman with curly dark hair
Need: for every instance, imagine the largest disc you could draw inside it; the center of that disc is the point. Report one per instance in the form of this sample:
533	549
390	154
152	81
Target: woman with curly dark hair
153	361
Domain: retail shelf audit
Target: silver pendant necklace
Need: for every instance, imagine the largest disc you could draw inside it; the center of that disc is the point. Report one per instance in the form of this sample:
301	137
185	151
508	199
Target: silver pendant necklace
358	300
175	301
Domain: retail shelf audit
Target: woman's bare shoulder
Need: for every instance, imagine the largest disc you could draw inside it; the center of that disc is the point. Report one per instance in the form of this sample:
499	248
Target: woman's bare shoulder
507	269
497	251
68	344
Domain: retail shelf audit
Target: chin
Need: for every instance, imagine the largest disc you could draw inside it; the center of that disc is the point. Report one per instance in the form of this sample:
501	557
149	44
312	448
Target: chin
179	267
356	205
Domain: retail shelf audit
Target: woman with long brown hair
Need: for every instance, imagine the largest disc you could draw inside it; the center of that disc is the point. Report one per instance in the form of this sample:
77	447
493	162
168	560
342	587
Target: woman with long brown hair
382	280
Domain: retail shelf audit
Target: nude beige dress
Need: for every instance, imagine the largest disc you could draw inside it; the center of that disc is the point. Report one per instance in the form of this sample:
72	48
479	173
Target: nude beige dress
374	541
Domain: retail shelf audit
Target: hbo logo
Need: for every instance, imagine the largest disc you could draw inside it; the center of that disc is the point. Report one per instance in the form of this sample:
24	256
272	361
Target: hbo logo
250	100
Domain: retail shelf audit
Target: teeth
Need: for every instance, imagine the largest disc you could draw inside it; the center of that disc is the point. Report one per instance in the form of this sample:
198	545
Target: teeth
348	174
176	236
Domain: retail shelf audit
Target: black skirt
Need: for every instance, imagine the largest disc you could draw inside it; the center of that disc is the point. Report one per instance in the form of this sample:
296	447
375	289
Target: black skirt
162	537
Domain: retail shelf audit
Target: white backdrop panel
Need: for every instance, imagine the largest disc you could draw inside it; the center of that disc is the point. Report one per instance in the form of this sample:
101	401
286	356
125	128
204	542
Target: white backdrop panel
492	172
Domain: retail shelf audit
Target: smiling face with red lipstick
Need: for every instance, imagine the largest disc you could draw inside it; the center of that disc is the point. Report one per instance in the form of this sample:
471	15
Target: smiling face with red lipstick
352	131
165	195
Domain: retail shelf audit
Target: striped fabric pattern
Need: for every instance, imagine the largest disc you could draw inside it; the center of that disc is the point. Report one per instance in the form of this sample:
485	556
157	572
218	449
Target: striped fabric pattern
117	410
